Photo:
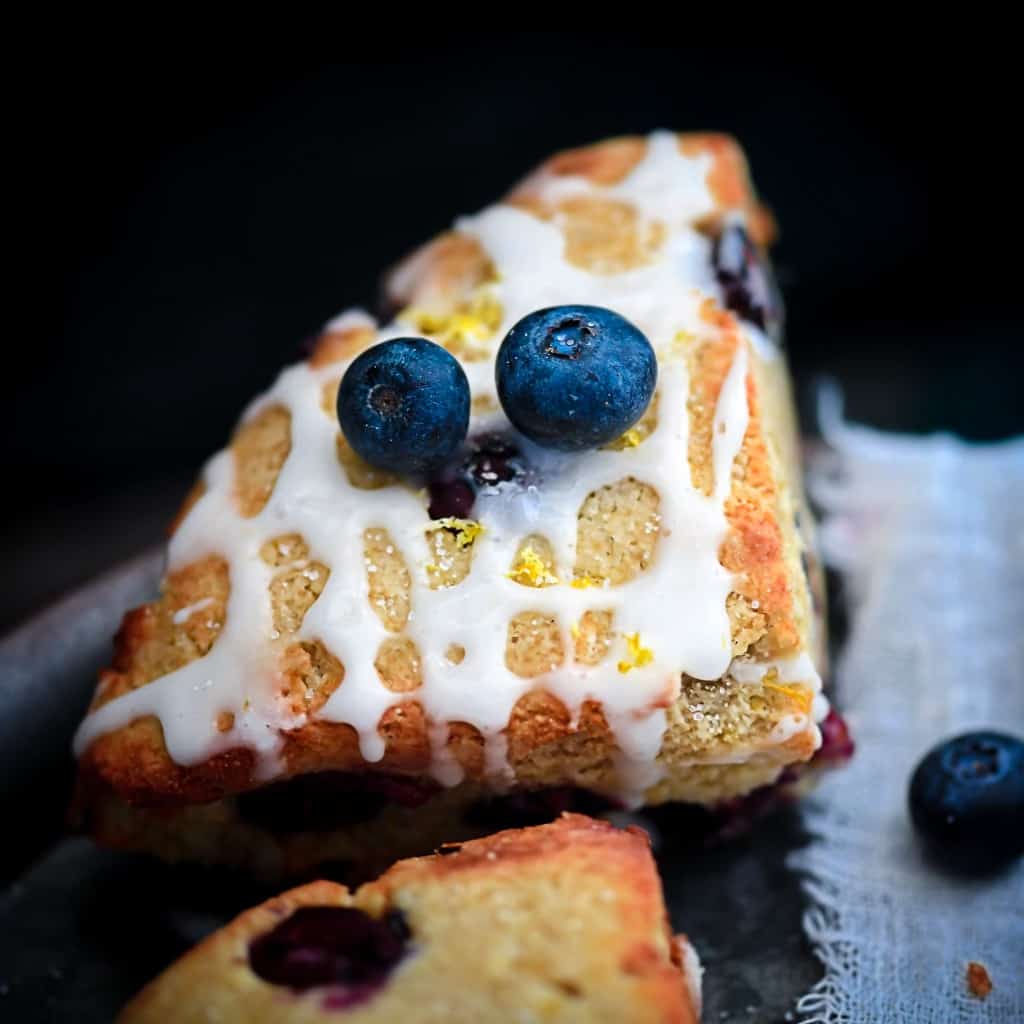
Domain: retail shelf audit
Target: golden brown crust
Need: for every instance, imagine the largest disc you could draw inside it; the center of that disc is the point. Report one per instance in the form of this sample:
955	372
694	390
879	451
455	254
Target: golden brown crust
134	763
729	181
165	635
754	547
398	664
617	532
606	236
204	969
310	673
607	163
260	446
335	346
387	579
440	272
581	900
604	163
533	647
545	748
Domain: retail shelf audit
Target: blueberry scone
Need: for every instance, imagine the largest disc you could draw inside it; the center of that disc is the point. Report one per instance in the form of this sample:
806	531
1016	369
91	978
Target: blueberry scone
537	542
562	922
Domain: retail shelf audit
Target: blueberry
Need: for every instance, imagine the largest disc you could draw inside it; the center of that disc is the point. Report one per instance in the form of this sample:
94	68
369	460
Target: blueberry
450	496
967	800
340	947
491	460
494	460
836	743
575	377
403	405
745	281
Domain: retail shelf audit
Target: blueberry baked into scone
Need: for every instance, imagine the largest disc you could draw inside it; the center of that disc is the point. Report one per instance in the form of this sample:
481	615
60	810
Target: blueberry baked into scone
538	543
560	922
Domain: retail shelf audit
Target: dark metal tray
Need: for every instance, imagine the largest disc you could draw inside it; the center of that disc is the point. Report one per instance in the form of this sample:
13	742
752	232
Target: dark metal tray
81	929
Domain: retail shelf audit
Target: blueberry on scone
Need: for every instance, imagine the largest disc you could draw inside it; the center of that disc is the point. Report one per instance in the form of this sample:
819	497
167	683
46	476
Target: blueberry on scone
491	460
575	377
746	286
967	799
341	947
403	405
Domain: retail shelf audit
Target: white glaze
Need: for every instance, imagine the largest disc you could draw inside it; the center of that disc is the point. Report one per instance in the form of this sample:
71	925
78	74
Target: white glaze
349	319
693	972
182	615
798	669
677	606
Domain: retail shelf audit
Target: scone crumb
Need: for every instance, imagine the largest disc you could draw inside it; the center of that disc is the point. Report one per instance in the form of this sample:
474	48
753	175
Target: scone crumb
979	983
225	721
638	654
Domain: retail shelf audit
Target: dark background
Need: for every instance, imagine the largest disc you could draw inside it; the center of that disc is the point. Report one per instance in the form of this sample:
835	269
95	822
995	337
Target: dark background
194	213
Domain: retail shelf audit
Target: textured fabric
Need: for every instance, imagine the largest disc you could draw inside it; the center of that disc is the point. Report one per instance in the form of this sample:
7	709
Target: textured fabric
928	535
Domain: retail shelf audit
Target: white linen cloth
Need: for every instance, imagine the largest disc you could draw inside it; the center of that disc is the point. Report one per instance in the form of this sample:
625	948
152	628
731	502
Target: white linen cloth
928	536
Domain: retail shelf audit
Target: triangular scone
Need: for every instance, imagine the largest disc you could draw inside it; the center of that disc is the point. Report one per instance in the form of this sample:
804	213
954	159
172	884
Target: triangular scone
636	622
560	922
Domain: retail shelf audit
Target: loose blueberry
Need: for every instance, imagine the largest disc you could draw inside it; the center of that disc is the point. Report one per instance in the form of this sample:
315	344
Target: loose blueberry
575	377
967	800
339	947
403	405
745	281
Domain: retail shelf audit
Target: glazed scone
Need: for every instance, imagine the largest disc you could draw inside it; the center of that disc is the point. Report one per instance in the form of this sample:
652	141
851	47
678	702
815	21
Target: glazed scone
635	622
563	922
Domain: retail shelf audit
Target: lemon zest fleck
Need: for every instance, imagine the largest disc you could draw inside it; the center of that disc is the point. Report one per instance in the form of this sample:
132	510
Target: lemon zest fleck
639	655
531	570
677	346
632	438
466	530
800	694
474	320
584	582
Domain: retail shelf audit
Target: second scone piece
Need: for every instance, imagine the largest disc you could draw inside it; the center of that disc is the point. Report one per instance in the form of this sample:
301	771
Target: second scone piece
563	922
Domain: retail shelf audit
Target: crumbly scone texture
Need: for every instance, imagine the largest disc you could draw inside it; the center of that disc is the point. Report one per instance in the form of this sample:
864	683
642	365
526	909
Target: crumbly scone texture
770	607
562	922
